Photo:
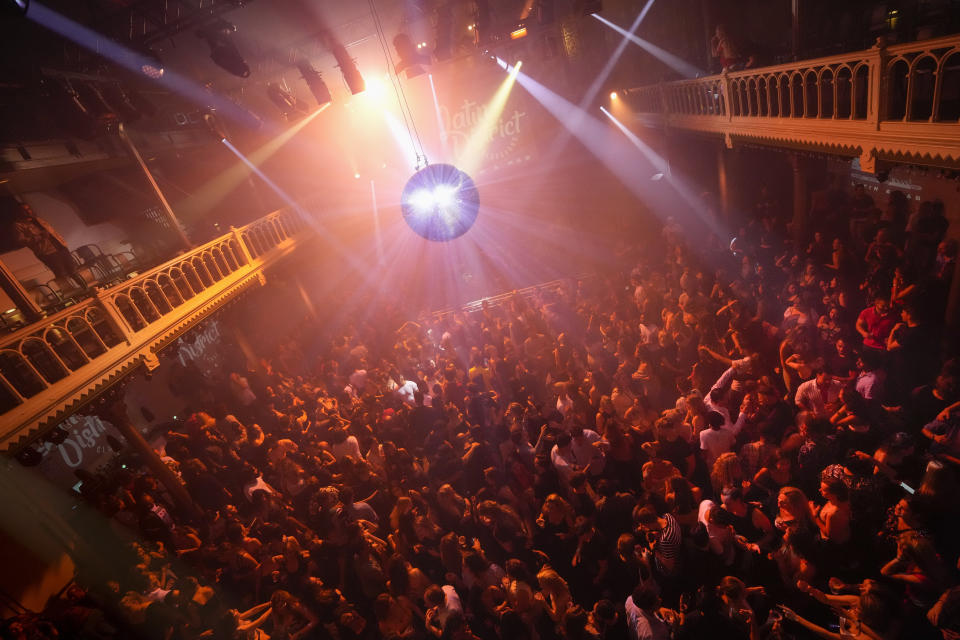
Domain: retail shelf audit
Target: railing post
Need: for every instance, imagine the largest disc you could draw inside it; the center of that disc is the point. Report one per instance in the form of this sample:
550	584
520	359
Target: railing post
727	94
877	84
21	298
243	247
113	316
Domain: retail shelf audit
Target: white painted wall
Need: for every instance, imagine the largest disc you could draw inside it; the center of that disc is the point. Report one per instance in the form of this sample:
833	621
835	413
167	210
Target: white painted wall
68	223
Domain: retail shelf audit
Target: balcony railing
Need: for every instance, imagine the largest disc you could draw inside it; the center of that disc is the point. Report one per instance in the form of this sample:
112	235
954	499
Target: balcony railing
49	367
875	102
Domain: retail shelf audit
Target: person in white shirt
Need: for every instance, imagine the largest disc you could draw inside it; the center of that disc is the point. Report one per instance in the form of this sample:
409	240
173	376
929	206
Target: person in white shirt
643	621
819	395
717	439
441	603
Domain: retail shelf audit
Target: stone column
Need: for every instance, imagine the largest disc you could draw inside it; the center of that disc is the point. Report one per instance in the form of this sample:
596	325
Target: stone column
723	185
115	413
801	199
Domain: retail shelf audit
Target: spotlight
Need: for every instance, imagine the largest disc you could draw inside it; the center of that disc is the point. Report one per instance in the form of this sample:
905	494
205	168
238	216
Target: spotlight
56	436
440	202
657	176
357	176
223	51
516	34
285	101
411	58
314	80
14	7
212	123
613	95
588	7
376	89
150	63
348	68
29	457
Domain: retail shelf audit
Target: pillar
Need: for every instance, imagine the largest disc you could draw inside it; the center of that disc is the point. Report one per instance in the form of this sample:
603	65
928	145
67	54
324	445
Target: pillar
952	319
20	297
116	414
801	204
723	185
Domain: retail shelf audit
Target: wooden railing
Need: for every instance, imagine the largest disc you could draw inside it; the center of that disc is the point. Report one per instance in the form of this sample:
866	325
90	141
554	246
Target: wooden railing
52	365
862	101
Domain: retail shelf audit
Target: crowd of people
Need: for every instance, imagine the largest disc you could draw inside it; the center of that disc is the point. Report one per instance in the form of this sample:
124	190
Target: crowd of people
704	443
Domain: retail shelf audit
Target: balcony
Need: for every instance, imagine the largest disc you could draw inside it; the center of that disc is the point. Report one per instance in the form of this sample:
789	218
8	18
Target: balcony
897	103
52	366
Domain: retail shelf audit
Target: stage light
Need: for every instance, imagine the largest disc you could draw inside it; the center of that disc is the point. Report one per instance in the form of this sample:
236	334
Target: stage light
150	63
613	95
15	7
357	176
57	436
285	101
223	51
518	33
315	82
376	89
351	75
657	176
29	457
440	202
213	125
470	27
411	58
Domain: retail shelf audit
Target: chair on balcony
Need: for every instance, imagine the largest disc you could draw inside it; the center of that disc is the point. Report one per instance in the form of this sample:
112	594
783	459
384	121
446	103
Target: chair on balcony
104	266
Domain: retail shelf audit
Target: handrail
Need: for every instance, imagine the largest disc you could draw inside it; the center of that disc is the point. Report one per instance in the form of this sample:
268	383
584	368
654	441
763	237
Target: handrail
50	365
858	102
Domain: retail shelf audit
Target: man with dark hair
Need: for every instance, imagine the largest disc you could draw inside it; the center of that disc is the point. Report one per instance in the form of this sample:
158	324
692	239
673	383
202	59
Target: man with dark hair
664	537
875	323
642	621
716	440
820	394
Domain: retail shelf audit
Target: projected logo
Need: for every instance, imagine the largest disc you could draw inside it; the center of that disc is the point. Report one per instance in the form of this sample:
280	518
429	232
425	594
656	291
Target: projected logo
505	143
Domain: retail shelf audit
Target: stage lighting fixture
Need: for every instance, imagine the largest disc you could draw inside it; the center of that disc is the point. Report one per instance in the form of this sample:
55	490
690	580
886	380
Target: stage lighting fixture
588	7
223	51
412	58
613	95
150	63
440	202
29	457
315	81
518	33
212	123
56	436
285	101
14	7
348	68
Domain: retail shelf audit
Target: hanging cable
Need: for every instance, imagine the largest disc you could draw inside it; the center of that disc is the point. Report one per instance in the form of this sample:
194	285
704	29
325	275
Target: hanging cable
405	109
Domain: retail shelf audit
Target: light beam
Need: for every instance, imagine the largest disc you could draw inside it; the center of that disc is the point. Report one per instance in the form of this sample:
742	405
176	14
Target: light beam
472	155
676	63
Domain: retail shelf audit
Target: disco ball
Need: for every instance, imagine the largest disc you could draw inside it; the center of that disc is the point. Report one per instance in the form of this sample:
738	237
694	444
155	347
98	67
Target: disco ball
440	202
